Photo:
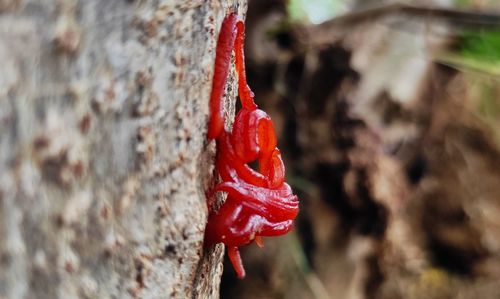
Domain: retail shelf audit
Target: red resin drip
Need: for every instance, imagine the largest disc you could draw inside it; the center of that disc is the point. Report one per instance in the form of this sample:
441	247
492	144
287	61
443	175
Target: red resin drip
259	203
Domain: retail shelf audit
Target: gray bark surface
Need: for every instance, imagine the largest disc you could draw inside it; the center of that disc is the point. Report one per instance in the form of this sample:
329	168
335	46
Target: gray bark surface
103	155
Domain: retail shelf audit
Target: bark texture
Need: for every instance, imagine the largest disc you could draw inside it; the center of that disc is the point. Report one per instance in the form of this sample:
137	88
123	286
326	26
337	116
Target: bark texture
103	156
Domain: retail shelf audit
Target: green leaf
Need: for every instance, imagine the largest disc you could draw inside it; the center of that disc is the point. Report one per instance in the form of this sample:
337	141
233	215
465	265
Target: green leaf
483	45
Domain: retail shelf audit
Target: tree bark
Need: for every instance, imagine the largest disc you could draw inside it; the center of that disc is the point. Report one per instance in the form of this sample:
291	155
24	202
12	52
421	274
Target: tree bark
103	157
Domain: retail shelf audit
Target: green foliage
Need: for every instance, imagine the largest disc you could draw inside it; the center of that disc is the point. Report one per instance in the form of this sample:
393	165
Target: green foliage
478	51
482	45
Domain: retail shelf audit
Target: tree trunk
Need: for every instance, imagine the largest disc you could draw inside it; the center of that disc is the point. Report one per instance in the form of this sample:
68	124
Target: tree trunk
103	155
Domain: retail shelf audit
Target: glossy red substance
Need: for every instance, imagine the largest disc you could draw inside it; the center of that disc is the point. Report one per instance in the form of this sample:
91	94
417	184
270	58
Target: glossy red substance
259	202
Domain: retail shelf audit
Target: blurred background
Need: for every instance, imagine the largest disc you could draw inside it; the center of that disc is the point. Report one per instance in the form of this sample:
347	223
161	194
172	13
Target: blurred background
389	121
